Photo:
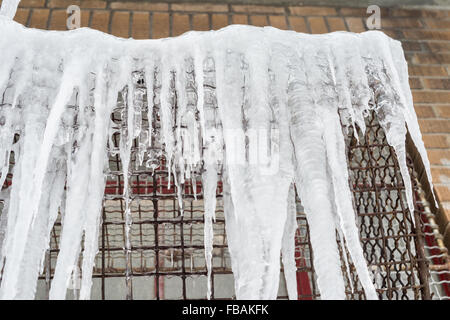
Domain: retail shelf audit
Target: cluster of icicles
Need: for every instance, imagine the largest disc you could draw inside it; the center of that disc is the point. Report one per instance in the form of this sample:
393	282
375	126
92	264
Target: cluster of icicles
60	88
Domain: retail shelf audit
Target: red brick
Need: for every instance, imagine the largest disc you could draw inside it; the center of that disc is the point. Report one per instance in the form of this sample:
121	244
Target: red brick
437	24
336	24
22	16
434	13
160	25
120	25
436	141
355	24
355	12
443	111
434	126
415	83
411	46
239	19
85	4
85	15
446	223
440	175
409	58
32	4
438	46
400	12
443	219
439	156
200	22
298	24
442	192
197	7
400	23
391	33
361	12
259	21
317	25
432	58
180	24
100	20
443	84
278	22
139	6
58	20
424	111
141	25
427	70
431	96
312	11
219	21
39	18
257	9
426	34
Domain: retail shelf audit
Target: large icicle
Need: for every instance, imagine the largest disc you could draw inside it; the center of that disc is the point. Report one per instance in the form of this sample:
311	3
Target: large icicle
79	166
322	71
212	157
104	100
313	183
343	198
399	62
272	100
389	103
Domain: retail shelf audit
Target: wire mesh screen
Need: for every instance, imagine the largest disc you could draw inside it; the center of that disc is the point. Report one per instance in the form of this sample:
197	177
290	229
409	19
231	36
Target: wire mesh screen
162	255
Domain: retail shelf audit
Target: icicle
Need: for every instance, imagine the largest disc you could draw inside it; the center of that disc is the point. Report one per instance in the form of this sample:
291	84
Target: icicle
350	80
343	198
288	246
9	8
167	116
388	108
104	100
79	165
73	218
209	182
79	168
50	132
346	262
399	62
260	104
313	181
22	229
149	77
39	237
9	119
126	142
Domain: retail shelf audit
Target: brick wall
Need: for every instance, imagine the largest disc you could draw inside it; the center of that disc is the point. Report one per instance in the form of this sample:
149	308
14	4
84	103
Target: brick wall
425	35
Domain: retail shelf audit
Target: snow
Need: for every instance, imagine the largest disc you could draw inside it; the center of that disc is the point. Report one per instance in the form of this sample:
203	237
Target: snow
260	107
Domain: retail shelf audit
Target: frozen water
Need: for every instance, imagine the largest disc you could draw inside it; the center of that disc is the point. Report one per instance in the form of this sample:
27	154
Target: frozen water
262	107
9	8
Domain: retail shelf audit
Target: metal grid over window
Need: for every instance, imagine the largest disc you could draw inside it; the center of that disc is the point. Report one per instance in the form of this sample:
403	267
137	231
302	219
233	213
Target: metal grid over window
162	255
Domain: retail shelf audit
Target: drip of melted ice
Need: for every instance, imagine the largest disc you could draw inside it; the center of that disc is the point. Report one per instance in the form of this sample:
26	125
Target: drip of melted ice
262	107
